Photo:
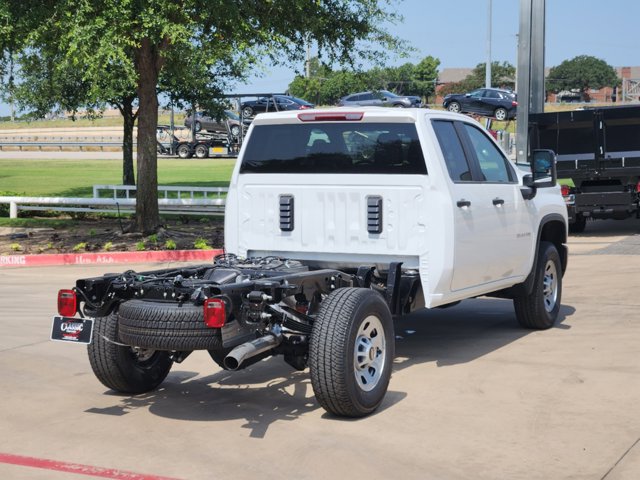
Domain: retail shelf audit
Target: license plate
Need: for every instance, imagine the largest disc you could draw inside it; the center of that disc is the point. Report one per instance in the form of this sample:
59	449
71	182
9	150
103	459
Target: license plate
74	330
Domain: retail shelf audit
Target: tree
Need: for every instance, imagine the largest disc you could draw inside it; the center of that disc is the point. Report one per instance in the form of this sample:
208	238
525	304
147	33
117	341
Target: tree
152	36
582	73
425	76
502	76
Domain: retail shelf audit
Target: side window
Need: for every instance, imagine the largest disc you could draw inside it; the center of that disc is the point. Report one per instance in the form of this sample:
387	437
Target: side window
367	96
452	151
492	162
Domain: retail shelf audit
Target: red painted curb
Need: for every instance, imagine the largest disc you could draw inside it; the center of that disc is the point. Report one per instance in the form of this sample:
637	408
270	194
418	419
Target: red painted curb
76	468
107	258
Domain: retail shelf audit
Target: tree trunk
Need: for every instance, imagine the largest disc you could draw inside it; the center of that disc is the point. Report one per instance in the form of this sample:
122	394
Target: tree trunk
147	219
126	109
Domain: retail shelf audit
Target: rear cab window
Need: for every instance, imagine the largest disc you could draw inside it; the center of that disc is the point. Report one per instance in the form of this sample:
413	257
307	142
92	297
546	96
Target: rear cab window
336	147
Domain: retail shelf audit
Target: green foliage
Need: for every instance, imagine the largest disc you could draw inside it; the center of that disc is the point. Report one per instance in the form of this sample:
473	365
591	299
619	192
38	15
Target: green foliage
79	246
326	87
201	244
108	246
140	246
153	239
16	247
170	244
582	73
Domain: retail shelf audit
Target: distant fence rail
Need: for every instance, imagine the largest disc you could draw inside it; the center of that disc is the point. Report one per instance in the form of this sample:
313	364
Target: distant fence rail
61	143
177	206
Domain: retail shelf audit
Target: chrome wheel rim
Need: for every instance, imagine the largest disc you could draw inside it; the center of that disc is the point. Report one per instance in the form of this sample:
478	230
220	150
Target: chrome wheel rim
550	286
454	107
501	115
369	354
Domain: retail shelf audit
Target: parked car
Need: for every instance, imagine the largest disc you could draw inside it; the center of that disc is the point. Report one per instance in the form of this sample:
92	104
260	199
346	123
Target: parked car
380	98
273	103
208	122
492	102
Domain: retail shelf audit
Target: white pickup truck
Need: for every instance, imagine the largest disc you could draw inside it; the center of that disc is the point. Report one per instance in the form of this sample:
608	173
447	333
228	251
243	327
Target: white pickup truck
337	220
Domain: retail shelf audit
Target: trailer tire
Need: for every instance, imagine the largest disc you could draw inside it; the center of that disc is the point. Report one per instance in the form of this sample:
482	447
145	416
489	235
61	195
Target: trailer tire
539	310
578	225
166	326
351	352
184	151
124	369
201	151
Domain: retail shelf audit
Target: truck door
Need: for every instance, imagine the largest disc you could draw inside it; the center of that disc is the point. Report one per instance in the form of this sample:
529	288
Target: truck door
492	240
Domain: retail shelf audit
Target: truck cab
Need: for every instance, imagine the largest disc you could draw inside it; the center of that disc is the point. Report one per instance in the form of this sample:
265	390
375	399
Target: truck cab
347	187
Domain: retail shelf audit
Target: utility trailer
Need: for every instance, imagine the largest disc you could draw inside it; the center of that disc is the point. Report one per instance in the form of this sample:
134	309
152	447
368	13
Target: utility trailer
599	151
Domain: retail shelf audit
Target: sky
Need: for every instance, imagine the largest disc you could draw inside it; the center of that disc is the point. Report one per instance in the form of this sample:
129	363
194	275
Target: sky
455	32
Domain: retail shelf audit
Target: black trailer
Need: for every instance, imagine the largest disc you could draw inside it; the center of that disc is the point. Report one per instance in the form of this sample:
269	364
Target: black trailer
599	151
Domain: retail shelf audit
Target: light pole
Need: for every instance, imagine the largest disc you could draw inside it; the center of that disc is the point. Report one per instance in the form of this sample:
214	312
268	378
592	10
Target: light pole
487	70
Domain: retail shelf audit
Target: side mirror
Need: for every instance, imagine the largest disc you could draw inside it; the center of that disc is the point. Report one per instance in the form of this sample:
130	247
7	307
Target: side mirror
543	168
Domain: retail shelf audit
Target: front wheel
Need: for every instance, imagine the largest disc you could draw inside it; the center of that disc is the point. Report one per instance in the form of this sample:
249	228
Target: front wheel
539	310
247	112
454	107
122	368
351	352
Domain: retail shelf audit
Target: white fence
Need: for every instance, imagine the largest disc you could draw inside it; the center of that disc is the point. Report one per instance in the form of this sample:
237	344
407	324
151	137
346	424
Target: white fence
180	206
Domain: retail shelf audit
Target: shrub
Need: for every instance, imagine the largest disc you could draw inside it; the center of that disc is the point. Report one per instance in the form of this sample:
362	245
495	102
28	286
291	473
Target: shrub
170	245
16	247
201	244
108	246
79	246
140	246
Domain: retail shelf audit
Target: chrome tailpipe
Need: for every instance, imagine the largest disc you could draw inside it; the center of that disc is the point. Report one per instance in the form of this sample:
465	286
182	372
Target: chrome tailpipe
250	352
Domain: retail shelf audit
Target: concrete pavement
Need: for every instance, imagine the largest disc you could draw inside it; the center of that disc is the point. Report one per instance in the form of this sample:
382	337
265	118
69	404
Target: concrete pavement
472	396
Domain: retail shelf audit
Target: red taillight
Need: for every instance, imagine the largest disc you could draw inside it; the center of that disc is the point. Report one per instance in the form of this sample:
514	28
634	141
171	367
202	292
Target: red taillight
330	116
638	187
304	107
514	103
67	303
214	313
565	189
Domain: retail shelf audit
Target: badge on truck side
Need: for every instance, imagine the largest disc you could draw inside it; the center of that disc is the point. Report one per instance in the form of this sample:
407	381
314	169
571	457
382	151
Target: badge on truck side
75	330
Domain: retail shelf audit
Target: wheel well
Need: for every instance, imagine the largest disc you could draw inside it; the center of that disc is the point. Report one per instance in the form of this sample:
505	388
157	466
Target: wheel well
555	231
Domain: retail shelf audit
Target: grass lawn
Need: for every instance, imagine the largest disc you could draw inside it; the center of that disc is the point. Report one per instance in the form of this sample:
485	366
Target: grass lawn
75	178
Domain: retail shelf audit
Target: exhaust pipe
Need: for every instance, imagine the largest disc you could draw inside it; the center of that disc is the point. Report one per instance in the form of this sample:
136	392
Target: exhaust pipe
251	351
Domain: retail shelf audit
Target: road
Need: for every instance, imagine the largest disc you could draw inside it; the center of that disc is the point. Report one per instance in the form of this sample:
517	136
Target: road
472	396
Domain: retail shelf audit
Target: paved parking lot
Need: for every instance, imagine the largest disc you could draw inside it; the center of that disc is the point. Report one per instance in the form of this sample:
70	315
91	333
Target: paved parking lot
472	396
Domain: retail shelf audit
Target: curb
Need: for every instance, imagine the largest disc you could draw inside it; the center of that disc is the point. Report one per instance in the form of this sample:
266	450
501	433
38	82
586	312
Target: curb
107	258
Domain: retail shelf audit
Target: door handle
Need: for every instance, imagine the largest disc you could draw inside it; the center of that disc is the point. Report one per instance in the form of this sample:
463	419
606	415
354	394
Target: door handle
463	203
498	201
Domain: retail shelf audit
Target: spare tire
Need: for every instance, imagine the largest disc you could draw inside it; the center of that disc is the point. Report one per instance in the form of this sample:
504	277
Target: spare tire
166	326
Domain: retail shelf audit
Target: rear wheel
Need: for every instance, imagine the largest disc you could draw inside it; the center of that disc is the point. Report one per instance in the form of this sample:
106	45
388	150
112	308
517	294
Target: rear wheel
184	151
539	310
201	151
247	112
454	107
351	352
578	225
122	368
500	114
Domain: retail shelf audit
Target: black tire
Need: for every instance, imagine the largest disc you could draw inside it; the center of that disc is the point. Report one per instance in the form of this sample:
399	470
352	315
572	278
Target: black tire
540	309
346	332
247	112
454	107
578	225
500	114
166	326
184	151
121	368
398	105
198	126
201	151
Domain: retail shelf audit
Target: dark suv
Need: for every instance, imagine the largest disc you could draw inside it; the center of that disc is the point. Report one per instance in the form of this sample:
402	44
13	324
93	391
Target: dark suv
381	98
492	102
